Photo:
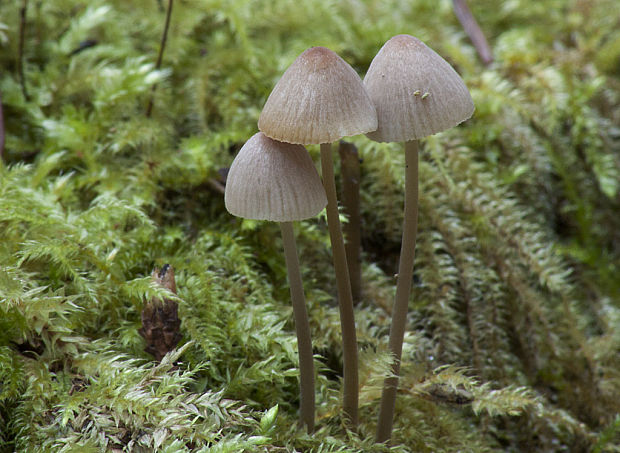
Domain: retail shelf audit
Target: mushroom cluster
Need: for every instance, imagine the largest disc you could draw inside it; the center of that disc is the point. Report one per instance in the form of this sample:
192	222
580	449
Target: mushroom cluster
409	92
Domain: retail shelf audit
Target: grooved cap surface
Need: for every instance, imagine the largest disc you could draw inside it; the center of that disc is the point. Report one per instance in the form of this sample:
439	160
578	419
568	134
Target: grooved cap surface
415	91
271	180
319	99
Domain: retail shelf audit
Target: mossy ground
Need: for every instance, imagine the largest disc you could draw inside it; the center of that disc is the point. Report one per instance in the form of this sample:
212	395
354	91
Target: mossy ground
514	332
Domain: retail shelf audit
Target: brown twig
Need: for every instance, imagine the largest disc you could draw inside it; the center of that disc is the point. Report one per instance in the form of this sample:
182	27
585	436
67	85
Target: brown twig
1	129
350	169
216	186
471	27
20	53
160	56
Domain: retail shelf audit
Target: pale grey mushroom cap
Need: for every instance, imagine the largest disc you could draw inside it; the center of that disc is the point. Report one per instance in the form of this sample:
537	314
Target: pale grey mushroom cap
319	99
271	180
416	92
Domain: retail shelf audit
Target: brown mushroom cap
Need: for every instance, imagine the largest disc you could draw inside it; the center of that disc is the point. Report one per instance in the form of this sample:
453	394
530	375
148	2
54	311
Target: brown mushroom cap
415	91
319	99
271	180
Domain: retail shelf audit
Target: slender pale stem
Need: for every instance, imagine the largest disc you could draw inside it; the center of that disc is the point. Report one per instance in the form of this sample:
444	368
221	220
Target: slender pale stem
403	289
345	298
302	327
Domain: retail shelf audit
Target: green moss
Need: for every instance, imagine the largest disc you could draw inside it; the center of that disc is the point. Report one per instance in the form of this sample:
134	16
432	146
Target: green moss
513	339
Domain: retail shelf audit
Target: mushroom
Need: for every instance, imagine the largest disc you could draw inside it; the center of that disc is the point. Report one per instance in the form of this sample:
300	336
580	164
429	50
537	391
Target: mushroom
416	94
270	180
318	100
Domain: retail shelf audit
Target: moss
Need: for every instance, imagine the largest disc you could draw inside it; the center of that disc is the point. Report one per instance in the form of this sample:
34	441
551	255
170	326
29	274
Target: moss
512	342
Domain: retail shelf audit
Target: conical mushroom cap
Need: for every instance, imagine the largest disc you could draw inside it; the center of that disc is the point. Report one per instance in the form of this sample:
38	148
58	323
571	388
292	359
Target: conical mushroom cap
415	91
319	99
271	180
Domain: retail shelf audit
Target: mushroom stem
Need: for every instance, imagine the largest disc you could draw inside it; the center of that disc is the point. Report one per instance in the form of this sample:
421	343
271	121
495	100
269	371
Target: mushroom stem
403	289
345	298
302	327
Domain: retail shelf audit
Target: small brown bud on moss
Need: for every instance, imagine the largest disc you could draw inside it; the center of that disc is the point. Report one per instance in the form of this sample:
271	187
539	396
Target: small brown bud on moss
160	318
